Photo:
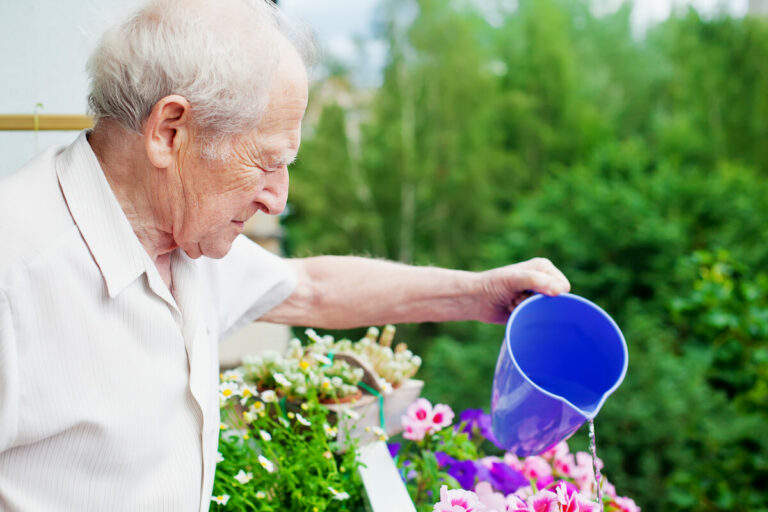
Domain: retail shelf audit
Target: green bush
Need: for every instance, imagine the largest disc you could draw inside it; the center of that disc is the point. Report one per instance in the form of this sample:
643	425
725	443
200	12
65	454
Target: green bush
684	432
553	132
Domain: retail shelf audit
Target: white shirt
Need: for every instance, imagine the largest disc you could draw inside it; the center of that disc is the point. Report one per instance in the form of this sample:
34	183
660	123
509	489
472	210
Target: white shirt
108	382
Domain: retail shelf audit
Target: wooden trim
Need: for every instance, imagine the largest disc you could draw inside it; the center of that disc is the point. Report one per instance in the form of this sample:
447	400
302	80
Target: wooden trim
63	122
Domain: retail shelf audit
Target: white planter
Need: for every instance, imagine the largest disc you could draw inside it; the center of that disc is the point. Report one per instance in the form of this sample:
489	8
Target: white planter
384	488
395	405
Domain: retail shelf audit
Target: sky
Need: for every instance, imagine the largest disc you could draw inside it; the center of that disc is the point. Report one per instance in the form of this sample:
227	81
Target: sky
337	33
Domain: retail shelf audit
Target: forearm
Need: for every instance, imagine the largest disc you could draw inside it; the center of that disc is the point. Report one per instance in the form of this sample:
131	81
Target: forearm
338	292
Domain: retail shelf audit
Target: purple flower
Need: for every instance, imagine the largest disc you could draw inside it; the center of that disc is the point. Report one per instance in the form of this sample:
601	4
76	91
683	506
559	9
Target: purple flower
502	477
464	472
477	422
469	419
393	449
444	460
486	430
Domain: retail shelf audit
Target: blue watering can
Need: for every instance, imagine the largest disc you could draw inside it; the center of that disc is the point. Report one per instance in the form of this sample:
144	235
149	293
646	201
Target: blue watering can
561	358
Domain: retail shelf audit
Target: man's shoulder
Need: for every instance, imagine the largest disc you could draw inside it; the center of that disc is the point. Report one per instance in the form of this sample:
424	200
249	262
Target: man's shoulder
33	212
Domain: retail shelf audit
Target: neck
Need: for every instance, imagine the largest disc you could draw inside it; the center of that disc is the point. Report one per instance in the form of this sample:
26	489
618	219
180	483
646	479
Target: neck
137	185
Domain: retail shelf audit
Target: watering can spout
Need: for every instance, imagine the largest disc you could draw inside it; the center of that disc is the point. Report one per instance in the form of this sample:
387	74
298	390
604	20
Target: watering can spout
561	359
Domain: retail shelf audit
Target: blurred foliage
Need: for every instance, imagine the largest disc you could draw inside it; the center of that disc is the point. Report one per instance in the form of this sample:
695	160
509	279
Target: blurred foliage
632	163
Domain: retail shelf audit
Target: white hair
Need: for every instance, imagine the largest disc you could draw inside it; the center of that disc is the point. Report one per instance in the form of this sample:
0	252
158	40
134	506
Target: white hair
222	64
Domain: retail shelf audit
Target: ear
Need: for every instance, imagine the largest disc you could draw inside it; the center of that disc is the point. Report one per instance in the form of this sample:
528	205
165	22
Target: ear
167	130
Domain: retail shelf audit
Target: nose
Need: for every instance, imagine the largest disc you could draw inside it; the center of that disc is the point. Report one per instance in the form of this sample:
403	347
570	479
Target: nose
275	194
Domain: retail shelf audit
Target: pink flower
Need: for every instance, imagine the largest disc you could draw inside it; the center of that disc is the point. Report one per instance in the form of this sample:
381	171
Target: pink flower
417	420
608	488
458	500
536	467
421	418
489	461
515	504
573	501
419	411
626	504
559	450
493	501
511	460
565	464
584	474
544	501
414	432
442	416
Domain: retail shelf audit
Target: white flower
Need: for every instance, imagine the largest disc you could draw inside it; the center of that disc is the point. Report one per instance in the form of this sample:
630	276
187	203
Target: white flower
235	375
312	335
243	477
301	419
219	457
280	379
266	464
330	431
380	433
352	414
322	359
386	387
261	495
269	396
221	500
341	496
265	435
228	390
246	392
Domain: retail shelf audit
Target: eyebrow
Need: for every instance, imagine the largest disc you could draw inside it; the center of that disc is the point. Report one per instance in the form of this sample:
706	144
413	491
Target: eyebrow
286	160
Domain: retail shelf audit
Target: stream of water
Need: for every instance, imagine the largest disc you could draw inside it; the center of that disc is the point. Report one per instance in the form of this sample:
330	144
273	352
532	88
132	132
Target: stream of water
598	475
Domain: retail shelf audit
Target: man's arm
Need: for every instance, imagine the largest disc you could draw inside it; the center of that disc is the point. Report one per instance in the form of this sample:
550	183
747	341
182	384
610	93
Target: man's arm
338	292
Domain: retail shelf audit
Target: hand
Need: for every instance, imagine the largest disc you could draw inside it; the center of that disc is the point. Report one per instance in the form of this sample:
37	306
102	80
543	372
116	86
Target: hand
504	288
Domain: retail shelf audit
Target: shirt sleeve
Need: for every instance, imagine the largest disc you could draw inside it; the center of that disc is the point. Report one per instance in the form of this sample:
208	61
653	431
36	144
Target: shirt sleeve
8	376
246	283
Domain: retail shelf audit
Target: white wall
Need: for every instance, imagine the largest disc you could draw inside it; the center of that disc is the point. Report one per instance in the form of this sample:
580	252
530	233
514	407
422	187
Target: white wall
44	45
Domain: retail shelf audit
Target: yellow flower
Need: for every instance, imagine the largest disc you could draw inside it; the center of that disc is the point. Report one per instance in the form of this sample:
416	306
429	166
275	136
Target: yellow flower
328	455
260	495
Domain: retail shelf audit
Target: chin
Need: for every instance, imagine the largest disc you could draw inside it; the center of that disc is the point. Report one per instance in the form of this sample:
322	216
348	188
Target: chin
217	249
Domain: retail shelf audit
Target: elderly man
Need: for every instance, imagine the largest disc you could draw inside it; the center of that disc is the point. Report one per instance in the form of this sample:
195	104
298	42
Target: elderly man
122	263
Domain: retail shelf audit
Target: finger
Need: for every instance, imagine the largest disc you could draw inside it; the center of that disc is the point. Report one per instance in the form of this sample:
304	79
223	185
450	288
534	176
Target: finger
540	282
546	266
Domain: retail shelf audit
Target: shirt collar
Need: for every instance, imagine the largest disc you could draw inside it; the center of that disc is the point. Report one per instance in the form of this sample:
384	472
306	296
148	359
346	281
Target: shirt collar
99	217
